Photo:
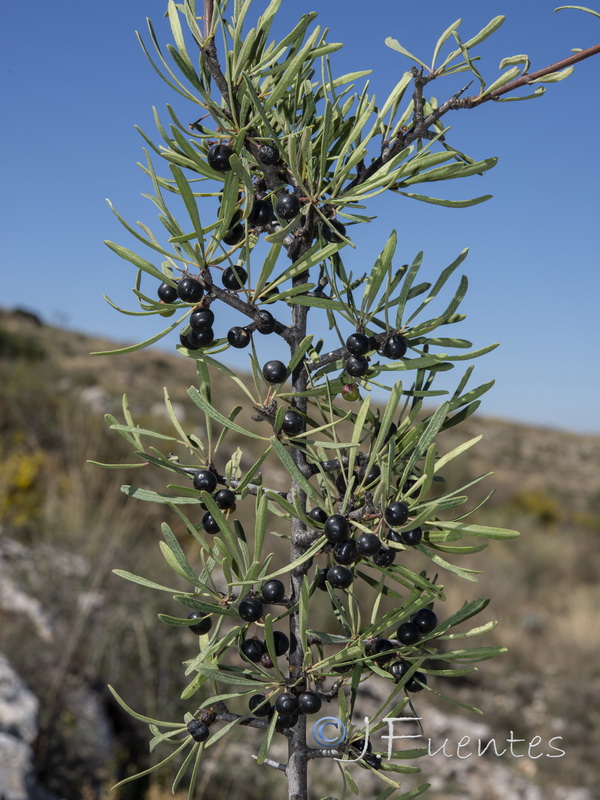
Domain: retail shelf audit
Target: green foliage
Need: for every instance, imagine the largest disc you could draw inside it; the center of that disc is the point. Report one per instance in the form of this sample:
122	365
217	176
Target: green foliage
335	147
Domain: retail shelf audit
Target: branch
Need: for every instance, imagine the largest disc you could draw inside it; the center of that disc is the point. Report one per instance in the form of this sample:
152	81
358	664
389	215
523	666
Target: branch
235	301
224	715
420	129
527	78
270	763
312	752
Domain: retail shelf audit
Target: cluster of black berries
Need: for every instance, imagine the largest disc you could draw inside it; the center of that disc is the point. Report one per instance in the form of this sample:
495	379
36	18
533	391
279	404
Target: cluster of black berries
190	290
346	550
206	480
409	633
255	649
358	344
359	477
287	205
287	705
396	515
234	279
198	727
251	609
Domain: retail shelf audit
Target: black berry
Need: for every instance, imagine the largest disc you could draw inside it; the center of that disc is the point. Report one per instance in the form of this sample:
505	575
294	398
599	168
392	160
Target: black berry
259	700
372	475
203	625
189	290
202	319
339	577
367	544
238	337
261	214
394	536
198	338
167	293
205	480
309	703
274	372
416	683
345	552
357	366
253	649
268	155
334	235
266	661
265	322
234	235
396	513
210	523
342	484
273	591
357	344
185	342
395	346
250	609
373	760
225	499
198	730
381	649
413	537
408	633
286	703
234	278
426	620
398	670
359	745
384	558
317	514
293	423
323	580
218	157
281	642
287	206
286	721
336	528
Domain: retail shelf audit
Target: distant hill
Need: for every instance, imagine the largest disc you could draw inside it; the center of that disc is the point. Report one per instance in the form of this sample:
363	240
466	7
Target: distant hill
540	467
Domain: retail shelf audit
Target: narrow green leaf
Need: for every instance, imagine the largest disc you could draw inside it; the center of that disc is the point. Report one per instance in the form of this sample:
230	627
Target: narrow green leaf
266	742
484	531
292	469
129	576
202	403
141	717
394	44
448	203
443	39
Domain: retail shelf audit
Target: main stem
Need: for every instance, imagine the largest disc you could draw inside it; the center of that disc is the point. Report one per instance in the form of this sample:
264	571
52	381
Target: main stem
297	772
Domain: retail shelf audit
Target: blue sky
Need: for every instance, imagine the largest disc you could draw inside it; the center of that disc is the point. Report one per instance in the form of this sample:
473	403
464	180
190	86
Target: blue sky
75	82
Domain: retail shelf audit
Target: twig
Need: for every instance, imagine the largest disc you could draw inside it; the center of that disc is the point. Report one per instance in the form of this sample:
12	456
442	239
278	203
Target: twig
270	763
235	301
313	752
527	78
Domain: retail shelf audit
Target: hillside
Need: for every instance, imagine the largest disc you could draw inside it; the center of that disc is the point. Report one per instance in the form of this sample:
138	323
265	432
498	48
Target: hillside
68	626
